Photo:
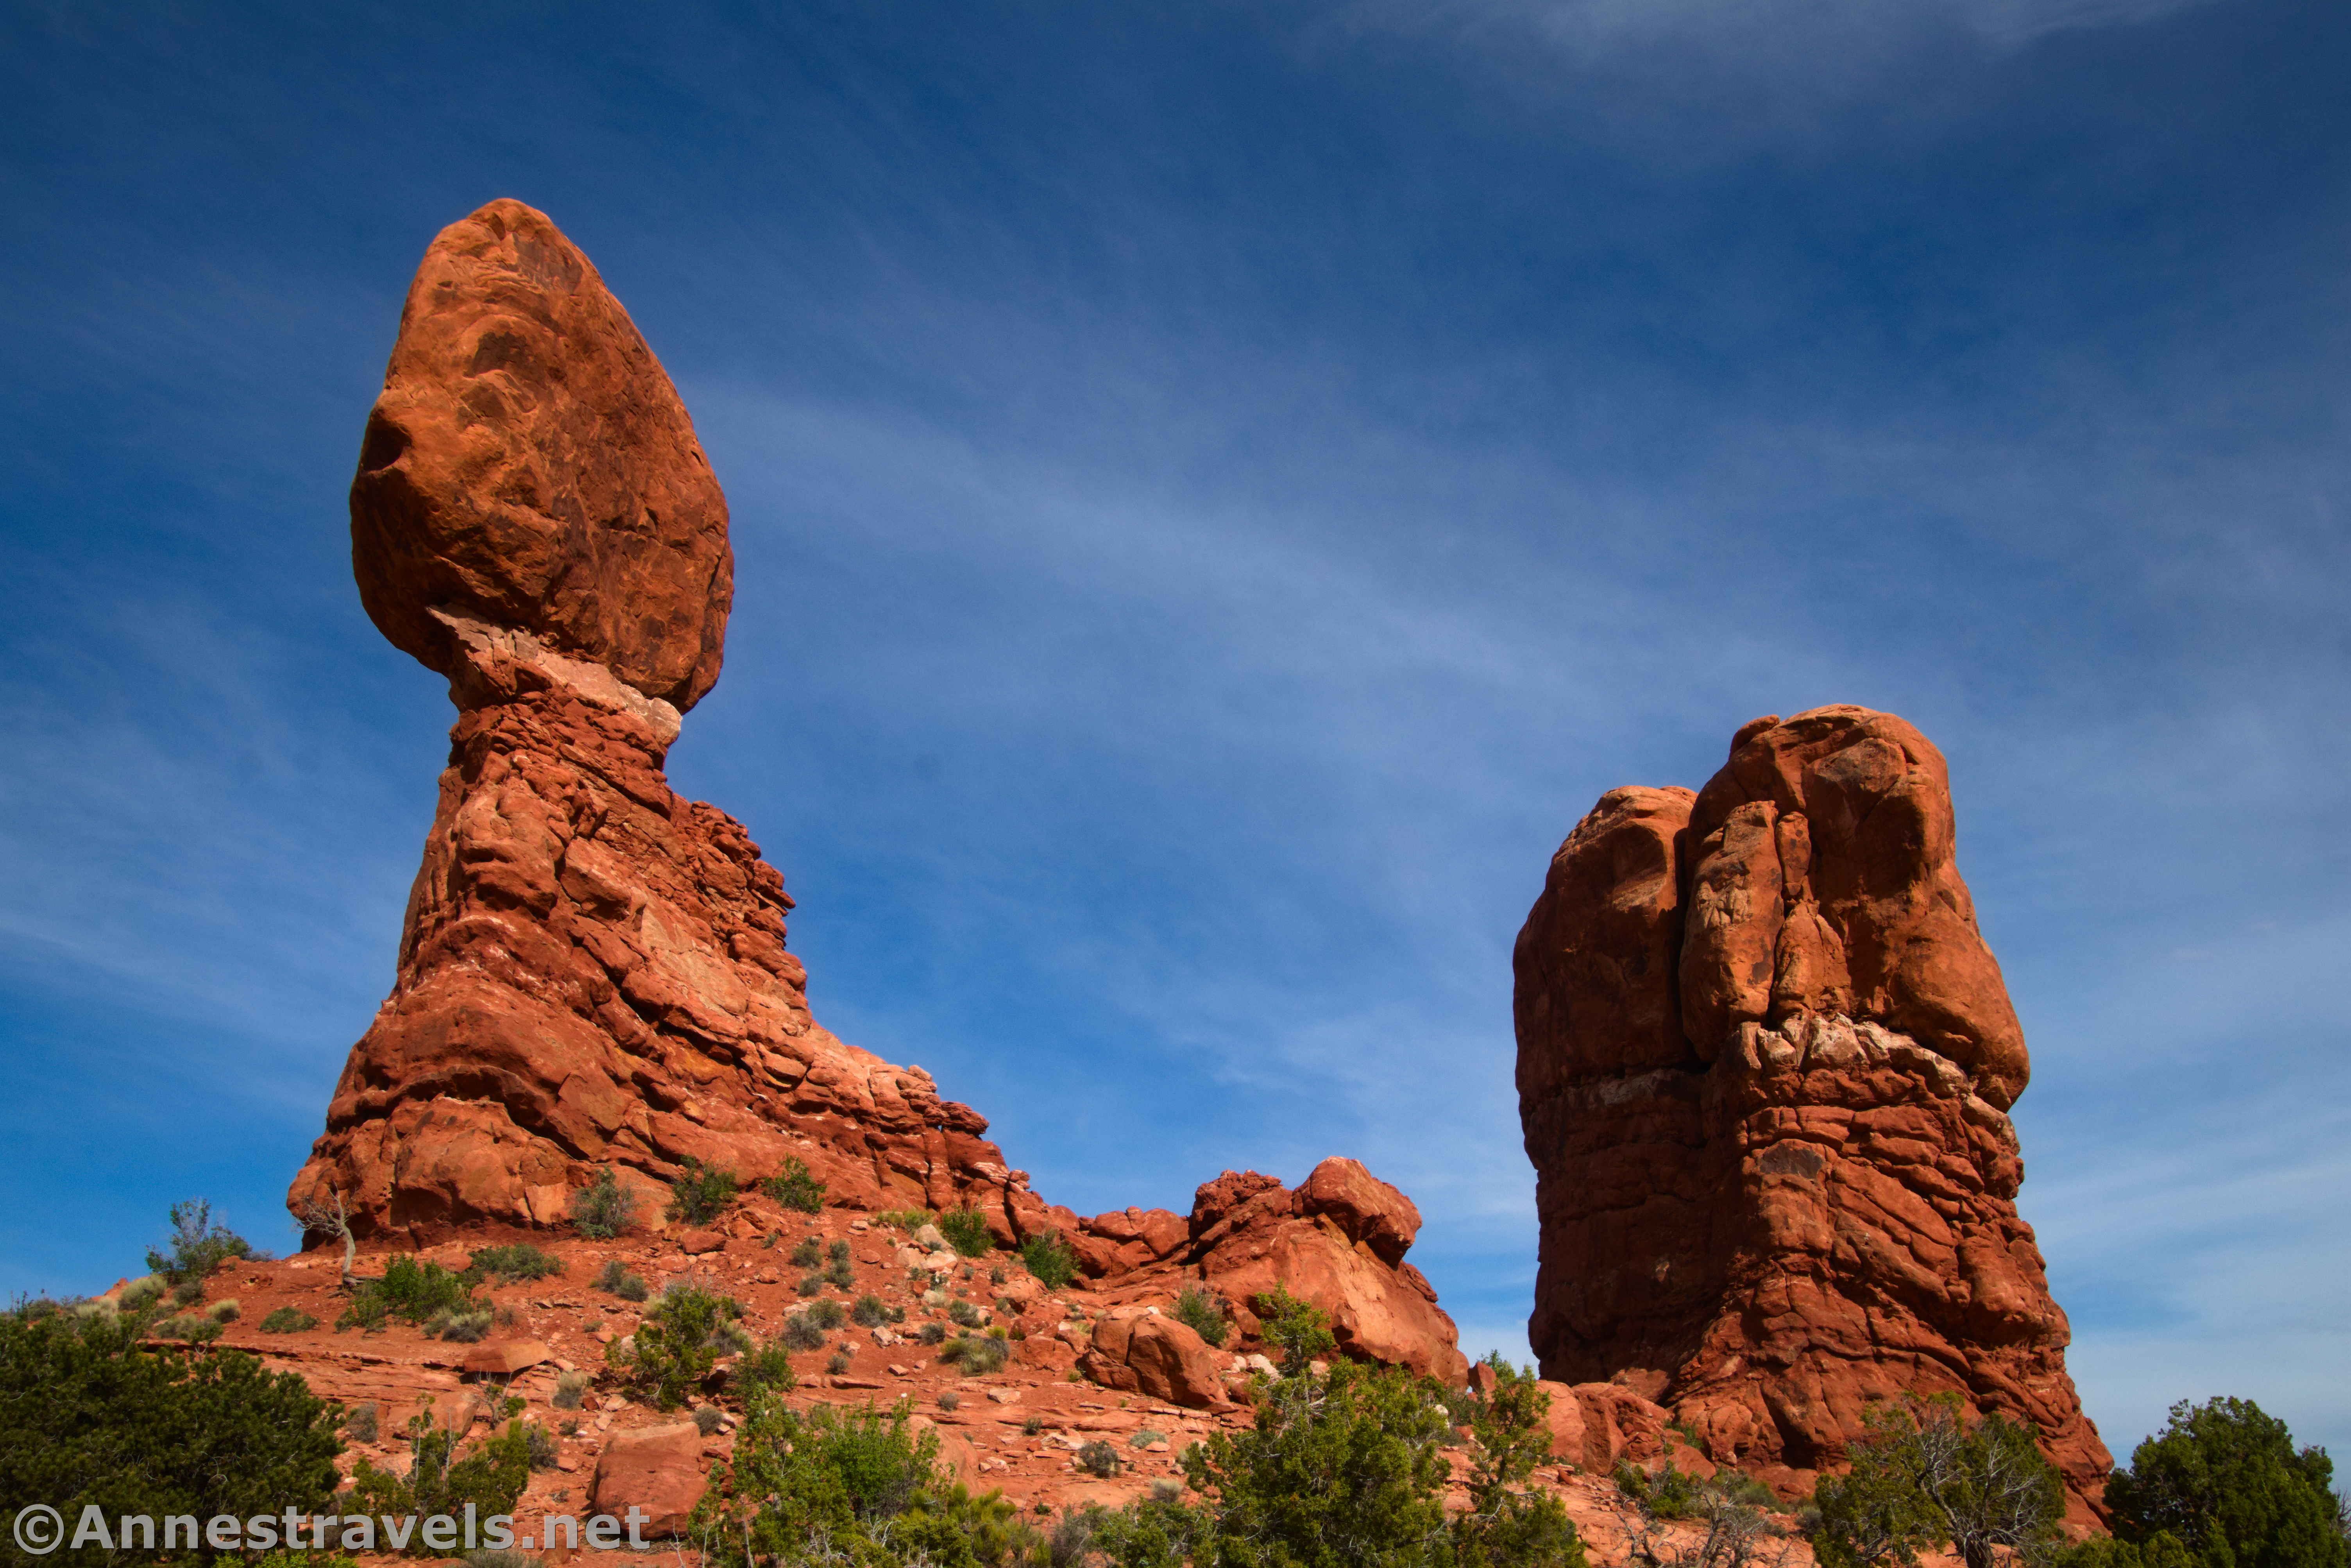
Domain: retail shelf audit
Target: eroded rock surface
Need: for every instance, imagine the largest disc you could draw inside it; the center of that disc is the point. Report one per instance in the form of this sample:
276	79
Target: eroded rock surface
1765	1064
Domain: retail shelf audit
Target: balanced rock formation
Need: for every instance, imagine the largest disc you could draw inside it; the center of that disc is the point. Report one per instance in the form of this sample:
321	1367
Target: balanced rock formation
1765	1066
593	971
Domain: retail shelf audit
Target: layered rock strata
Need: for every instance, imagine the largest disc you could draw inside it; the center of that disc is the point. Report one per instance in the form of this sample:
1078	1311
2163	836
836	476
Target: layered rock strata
593	971
1765	1068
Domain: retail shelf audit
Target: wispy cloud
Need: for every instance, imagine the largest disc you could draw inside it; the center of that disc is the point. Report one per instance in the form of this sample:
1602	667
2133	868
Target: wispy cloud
1761	33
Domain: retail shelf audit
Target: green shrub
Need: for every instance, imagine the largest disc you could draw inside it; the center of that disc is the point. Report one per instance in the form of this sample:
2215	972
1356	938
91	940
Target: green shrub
1201	1312
977	1355
1098	1459
193	1327
676	1345
869	1313
907	1219
491	1479
539	1447
700	1193
614	1280
361	1425
839	1363
809	1254
603	1208
801	1334
1145	1437
570	1390
409	1287
1049	1257
1922	1476
1295	1328
768	1368
838	1250
287	1319
225	1312
2160	1550
1505	1524
964	1314
841	1275
1670	1492
796	1187
142	1293
708	1420
827	1315
462	1327
198	1243
88	1418
850	1486
1347	1467
932	1333
966	1231
519	1261
811	1285
2223	1486
188	1293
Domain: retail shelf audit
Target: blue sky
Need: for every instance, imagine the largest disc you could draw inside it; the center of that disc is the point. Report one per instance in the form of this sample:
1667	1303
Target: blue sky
1218	490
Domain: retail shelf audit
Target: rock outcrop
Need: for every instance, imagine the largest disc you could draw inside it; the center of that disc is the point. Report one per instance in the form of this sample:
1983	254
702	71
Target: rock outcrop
1150	1353
1765	1066
593	971
1337	1241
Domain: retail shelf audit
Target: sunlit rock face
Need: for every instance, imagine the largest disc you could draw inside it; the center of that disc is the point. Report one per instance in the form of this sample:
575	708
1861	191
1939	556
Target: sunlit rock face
1765	1066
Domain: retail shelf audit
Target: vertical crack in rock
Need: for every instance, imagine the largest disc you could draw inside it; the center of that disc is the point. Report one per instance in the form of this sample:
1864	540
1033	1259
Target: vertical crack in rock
1765	1065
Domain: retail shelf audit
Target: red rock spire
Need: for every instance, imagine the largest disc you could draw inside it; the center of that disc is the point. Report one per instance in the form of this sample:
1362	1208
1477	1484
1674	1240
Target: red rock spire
1765	1063
592	970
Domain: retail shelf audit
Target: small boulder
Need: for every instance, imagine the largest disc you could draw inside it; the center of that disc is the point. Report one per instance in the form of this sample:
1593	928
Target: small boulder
693	1243
504	1358
1155	1356
657	1468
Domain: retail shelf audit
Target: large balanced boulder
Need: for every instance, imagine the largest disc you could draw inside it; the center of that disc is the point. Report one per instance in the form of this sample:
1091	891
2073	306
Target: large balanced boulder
1765	1067
530	468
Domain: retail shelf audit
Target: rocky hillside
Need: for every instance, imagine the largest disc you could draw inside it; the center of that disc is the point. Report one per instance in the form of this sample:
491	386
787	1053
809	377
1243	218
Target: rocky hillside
1091	1364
